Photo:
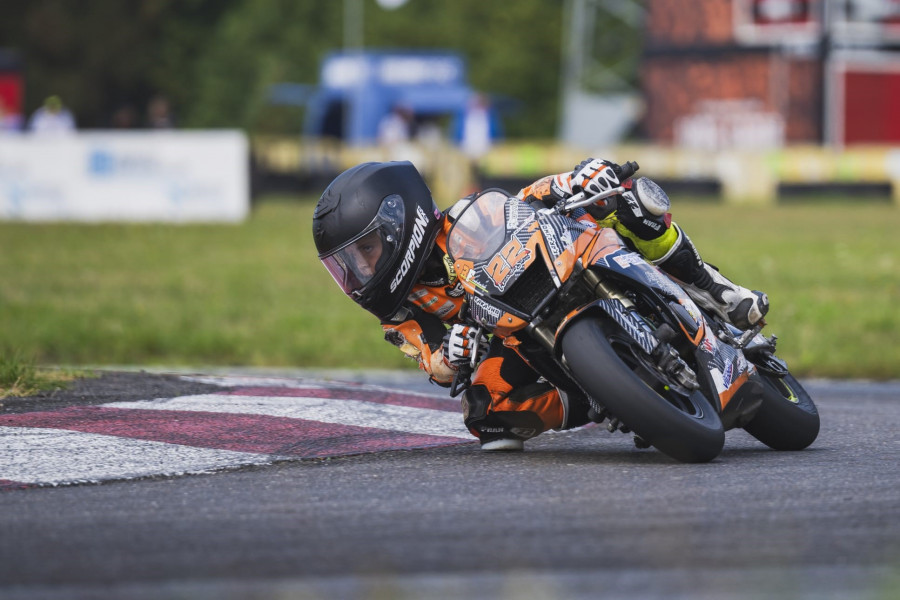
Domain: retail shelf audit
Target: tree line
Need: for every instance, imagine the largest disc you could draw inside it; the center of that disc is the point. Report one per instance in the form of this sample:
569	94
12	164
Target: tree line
216	59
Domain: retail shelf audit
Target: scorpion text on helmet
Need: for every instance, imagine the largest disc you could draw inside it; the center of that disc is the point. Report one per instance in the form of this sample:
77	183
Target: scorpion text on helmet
417	234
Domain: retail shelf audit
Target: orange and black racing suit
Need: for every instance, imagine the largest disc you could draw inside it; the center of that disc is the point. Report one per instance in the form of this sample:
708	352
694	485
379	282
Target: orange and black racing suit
507	398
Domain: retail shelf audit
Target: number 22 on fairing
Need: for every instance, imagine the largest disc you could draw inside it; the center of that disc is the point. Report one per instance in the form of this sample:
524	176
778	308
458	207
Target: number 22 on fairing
505	261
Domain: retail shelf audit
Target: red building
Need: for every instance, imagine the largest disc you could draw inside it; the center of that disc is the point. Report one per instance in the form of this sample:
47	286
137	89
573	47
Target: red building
763	73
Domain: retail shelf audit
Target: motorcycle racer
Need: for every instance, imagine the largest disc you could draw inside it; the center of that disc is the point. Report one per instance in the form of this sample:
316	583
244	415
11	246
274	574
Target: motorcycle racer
383	239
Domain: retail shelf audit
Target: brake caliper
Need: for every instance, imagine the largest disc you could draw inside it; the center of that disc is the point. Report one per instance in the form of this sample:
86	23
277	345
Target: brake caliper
673	366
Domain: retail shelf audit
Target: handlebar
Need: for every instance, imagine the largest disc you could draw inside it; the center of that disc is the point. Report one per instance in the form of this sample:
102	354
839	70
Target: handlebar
628	169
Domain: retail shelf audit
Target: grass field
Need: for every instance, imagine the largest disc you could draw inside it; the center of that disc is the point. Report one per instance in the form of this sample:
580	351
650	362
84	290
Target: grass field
255	294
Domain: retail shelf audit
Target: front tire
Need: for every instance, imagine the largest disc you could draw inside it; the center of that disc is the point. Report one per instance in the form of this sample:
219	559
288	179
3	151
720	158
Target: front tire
683	426
787	418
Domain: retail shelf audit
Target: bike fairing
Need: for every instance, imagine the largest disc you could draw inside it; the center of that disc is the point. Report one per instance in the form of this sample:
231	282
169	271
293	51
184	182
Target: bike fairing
724	367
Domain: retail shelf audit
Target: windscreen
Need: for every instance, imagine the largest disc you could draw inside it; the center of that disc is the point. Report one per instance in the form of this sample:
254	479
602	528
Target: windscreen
480	229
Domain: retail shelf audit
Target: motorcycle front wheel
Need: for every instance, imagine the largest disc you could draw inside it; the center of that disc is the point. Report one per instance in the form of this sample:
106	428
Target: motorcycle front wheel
787	419
679	423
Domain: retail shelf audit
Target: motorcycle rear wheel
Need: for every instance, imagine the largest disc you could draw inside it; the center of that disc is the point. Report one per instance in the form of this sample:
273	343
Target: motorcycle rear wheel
787	418
682	425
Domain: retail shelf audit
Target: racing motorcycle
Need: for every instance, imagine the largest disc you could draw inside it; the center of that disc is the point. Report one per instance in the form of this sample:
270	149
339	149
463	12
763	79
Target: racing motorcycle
598	321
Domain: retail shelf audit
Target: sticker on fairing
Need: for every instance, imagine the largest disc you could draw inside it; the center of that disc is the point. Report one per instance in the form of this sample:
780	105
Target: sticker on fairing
633	326
728	375
485	314
451	271
626	260
509	261
560	232
665	284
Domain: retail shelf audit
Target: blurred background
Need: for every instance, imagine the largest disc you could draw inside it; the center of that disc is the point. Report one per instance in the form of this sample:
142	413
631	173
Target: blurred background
159	159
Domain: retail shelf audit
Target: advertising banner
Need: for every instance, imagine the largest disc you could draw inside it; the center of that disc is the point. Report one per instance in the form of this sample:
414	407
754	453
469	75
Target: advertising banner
171	176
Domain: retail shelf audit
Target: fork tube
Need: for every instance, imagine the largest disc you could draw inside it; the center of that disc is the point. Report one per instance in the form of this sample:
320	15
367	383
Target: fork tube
603	289
541	334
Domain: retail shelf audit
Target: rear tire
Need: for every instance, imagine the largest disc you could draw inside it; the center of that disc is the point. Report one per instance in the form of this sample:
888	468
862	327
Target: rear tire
683	426
787	418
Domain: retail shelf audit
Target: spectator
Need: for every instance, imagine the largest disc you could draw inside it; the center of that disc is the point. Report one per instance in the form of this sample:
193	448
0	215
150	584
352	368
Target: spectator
429	132
396	127
395	135
125	117
476	132
159	113
52	118
476	137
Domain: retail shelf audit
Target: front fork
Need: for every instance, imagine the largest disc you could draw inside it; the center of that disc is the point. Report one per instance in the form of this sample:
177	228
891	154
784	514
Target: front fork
601	289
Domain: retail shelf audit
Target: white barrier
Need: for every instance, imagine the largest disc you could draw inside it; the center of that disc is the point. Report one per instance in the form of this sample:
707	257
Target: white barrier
172	176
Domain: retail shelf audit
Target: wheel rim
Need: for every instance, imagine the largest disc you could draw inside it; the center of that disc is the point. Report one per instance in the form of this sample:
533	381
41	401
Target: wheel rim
646	370
786	391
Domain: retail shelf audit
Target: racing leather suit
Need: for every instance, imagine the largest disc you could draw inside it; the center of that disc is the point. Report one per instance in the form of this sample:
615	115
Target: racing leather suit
507	398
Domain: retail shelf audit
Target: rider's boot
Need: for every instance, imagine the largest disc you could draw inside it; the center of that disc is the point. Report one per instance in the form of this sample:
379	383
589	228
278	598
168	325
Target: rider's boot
710	289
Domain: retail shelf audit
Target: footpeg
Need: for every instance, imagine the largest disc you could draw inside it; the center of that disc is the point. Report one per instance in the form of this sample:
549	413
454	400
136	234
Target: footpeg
617	425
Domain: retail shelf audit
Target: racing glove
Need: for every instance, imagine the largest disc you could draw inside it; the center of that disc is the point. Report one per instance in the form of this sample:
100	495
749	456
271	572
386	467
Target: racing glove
594	175
460	342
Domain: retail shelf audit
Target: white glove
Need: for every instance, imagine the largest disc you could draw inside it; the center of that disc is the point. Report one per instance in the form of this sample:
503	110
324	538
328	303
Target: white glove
594	176
460	343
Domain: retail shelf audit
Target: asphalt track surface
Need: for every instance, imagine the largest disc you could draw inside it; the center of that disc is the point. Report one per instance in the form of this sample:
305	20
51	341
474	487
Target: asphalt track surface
580	514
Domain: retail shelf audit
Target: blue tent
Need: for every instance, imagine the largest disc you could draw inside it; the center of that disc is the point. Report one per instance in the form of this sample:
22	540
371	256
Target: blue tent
358	88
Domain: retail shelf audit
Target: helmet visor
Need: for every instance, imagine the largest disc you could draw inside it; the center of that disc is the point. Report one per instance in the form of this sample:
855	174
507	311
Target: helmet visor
358	262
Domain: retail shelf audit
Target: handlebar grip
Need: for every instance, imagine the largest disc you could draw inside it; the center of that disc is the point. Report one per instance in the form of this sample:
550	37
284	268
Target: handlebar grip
628	169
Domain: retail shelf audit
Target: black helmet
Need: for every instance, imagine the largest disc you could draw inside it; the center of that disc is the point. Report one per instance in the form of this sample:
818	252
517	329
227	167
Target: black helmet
374	227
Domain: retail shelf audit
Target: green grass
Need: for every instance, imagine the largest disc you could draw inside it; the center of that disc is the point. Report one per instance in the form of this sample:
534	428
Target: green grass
251	294
255	294
832	273
20	377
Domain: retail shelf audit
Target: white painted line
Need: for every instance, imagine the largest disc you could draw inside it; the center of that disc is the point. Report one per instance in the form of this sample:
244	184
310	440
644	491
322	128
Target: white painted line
241	381
327	410
56	456
233	381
